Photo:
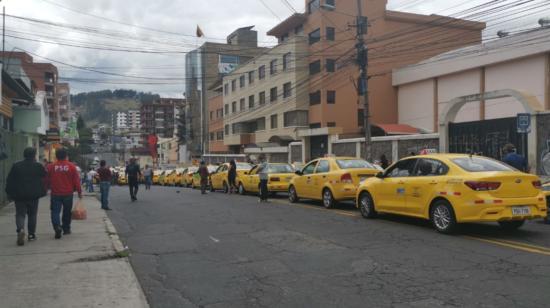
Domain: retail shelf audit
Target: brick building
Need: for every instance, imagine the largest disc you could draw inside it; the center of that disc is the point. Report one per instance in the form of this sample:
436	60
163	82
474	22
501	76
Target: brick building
159	117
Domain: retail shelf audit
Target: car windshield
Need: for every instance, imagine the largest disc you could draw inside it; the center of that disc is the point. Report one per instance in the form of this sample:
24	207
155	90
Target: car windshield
280	169
192	169
212	168
480	164
353	164
243	166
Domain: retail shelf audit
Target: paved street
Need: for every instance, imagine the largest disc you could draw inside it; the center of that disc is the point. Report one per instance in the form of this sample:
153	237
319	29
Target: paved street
231	251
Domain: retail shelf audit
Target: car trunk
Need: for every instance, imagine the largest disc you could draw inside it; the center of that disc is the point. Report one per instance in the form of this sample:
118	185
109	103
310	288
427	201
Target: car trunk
512	184
361	174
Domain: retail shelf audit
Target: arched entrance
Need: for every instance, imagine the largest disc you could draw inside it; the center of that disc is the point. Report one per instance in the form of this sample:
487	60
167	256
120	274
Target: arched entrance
530	104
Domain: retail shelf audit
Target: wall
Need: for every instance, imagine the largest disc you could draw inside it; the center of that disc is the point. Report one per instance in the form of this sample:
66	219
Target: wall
460	84
295	153
12	145
543	144
416	104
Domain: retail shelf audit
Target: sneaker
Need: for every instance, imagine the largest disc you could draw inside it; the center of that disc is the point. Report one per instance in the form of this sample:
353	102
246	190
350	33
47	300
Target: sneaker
21	238
31	237
66	232
57	232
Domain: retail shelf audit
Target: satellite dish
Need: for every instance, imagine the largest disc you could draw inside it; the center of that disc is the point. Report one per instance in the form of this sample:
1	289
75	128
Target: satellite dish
503	33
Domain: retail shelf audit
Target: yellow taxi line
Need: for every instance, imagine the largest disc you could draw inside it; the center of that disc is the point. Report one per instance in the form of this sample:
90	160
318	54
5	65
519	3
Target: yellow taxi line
514	245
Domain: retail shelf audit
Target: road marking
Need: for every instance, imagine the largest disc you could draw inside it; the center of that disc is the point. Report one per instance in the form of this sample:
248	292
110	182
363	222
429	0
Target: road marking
215	240
514	245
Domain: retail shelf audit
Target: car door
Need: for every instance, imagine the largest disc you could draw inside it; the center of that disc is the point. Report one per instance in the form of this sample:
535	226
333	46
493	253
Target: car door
421	186
252	180
319	178
391	191
216	178
303	182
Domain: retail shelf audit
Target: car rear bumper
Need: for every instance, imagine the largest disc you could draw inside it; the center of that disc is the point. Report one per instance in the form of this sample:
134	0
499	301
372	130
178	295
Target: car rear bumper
344	192
278	187
502	210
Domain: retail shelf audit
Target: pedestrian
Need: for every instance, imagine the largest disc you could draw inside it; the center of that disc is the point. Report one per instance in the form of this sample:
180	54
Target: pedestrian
512	158
90	179
232	176
133	173
25	186
384	163
148	175
203	173
263	173
105	177
64	181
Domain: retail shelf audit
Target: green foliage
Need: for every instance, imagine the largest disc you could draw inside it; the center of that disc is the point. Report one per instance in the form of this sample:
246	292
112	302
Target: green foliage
80	123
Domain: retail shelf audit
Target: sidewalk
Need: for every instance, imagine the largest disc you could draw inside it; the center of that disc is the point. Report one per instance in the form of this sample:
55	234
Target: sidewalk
80	270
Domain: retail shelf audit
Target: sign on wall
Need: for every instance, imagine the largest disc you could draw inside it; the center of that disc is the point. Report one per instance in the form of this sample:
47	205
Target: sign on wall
227	63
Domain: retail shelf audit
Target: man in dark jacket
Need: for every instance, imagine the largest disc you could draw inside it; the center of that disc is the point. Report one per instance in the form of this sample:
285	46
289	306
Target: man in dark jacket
133	172
203	173
25	185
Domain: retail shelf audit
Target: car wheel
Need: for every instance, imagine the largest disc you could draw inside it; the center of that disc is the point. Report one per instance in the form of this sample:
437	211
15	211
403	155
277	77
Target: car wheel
366	205
292	195
511	225
442	216
242	191
225	188
328	199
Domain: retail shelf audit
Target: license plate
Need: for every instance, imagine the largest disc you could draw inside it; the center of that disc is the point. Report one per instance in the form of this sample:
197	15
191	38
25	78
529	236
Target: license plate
521	210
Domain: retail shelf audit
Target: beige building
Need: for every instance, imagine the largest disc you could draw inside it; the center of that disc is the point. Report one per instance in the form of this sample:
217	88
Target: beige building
266	99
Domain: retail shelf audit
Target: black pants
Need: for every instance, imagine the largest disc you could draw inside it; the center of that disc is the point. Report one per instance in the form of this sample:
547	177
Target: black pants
204	182
26	209
134	187
263	190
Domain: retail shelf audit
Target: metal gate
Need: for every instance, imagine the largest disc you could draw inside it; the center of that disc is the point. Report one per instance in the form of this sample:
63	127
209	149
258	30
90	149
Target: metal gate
318	146
486	137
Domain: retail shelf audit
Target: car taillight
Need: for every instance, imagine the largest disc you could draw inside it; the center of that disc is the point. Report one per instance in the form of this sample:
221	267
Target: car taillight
274	179
537	184
482	186
346	178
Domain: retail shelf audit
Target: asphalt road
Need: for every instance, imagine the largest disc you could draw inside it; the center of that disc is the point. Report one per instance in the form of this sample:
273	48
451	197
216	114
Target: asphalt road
219	250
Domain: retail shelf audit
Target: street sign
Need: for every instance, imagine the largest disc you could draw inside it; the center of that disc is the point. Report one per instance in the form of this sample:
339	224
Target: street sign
524	123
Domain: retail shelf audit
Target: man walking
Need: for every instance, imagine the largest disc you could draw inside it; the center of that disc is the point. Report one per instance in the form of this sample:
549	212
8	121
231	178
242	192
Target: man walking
90	180
25	186
203	173
148	175
513	159
105	178
64	181
132	174
263	173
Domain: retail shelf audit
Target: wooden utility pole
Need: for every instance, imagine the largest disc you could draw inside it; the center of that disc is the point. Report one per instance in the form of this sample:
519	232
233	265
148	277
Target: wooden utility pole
363	88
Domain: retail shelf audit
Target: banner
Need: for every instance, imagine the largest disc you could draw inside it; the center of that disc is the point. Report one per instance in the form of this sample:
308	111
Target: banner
152	141
227	64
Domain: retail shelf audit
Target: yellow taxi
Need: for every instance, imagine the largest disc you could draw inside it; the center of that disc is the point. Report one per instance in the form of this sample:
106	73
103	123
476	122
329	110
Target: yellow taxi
156	177
546	191
218	179
178	177
122	180
279	179
196	183
170	177
188	176
162	177
330	179
449	189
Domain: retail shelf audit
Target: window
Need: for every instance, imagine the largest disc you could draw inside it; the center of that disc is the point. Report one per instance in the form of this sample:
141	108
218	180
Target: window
273	94
273	121
315	98
260	124
233	85
315	125
287	90
315	67
354	164
273	67
261	72
295	118
331	97
403	168
251	77
323	167
234	107
286	61
331	124
360	118
330	65
241	81
211	115
212	137
242	104
313	6
219	135
226	89
251	102
227	129
284	38
430	167
314	36
479	164
309	168
226	108
262	98
330	2
330	34
299	30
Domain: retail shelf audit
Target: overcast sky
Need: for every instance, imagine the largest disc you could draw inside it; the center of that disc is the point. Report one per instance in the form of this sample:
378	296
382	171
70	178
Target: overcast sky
217	18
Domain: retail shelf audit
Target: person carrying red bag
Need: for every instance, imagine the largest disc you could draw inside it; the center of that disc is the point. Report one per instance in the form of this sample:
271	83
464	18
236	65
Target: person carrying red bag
64	180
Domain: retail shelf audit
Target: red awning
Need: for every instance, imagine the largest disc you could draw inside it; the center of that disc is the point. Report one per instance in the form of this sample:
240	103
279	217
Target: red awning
398	129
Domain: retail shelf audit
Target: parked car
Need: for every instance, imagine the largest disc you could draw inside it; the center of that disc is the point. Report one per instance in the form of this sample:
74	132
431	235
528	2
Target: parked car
218	180
196	183
170	178
449	189
330	179
279	179
156	177
178	177
188	176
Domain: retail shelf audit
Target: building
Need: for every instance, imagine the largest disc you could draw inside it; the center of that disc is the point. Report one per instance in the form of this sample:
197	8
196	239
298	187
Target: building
168	151
159	117
215	123
64	102
203	68
134	120
394	39
120	121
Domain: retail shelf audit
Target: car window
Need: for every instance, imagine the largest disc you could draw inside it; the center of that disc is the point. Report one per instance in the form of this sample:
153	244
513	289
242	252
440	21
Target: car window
402	168
430	167
279	168
480	164
354	164
323	167
243	166
309	168
253	170
220	169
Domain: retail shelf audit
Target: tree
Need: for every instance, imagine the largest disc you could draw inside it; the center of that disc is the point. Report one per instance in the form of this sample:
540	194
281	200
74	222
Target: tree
80	123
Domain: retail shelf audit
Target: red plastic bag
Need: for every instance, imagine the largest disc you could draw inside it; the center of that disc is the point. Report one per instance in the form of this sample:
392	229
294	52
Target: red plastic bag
79	211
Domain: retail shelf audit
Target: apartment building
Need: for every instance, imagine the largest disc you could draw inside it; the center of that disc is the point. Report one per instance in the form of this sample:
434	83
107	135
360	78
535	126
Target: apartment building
64	94
120	121
215	123
134	120
159	117
204	67
266	99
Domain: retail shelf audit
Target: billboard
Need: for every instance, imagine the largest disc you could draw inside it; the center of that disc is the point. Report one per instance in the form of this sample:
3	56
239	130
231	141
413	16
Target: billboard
227	64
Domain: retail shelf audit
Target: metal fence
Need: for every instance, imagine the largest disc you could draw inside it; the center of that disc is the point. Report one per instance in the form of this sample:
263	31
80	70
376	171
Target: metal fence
12	145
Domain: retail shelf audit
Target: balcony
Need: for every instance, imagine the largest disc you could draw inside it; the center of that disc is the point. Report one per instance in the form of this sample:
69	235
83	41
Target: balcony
239	139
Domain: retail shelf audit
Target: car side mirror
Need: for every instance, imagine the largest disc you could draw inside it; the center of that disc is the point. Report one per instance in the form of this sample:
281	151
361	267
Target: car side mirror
246	172
380	175
298	172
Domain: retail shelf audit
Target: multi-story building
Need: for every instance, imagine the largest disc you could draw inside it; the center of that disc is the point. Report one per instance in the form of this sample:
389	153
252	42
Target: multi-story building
159	117
64	95
120	121
215	123
134	119
331	104
204	67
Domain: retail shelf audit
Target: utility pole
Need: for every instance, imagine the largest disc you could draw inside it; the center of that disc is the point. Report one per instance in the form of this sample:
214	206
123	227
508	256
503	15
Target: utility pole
363	84
3	32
